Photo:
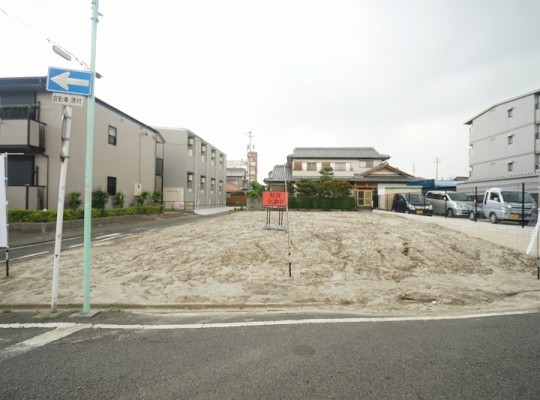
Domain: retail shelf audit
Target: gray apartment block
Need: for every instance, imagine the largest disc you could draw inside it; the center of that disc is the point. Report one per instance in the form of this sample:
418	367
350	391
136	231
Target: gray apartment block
128	154
504	145
195	171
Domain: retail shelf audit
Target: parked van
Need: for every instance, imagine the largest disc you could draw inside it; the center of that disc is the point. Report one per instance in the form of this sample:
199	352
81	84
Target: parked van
506	204
450	203
412	203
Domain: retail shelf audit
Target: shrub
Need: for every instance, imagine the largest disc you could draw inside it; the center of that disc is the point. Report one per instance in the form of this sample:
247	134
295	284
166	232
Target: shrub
141	199
74	200
119	200
156	197
99	199
50	216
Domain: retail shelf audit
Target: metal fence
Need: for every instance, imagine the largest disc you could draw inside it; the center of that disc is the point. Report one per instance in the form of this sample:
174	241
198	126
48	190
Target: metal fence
179	205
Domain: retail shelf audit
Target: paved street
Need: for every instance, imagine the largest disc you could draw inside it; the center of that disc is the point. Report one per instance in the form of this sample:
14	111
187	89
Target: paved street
232	355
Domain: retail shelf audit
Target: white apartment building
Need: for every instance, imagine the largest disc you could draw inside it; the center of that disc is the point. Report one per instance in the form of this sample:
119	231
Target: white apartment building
195	171
504	145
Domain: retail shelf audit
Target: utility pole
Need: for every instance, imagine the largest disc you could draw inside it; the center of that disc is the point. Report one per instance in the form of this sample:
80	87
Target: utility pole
437	162
89	164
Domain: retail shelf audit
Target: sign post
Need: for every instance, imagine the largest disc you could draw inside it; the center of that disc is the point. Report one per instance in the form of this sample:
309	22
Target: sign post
62	80
69	88
3	209
64	156
277	201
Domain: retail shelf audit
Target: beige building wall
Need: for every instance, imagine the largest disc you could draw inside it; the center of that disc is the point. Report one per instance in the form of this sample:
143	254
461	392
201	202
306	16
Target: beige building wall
131	161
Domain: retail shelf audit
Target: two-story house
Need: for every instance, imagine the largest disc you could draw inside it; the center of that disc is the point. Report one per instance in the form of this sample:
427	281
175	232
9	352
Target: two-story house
363	167
128	154
195	171
504	145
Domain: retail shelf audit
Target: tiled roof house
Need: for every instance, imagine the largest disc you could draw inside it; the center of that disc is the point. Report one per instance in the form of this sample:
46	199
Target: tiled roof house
364	167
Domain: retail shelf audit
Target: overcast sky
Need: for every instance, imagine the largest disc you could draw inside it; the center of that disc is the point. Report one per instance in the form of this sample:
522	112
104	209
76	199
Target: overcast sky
402	76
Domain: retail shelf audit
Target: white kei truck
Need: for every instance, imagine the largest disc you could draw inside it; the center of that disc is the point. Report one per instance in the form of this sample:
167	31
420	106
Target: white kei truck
506	205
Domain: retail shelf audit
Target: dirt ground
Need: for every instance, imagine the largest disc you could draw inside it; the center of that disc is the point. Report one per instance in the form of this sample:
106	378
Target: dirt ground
348	261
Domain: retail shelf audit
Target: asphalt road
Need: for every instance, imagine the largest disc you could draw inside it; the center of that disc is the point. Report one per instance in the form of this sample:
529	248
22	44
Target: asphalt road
269	356
25	247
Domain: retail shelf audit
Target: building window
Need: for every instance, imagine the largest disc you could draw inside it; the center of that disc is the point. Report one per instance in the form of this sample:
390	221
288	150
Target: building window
203	152
510	139
510	166
20	170
340	166
510	112
112	135
159	166
111	185
212	185
220	186
203	181
311	166
190	182
190	144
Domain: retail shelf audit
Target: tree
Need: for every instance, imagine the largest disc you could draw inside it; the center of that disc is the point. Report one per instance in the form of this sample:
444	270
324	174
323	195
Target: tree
334	188
256	189
327	173
306	187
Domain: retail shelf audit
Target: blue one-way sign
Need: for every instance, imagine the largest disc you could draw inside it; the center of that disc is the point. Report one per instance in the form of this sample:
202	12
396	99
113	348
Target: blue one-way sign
69	81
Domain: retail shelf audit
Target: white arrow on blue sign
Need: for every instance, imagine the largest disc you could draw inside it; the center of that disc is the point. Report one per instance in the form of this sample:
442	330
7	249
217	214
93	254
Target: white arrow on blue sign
63	80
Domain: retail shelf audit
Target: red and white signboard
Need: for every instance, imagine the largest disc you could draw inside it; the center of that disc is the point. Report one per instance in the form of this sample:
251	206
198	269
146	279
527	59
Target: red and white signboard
276	200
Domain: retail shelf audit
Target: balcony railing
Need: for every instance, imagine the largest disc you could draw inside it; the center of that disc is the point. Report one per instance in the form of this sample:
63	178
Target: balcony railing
26	197
22	135
20	111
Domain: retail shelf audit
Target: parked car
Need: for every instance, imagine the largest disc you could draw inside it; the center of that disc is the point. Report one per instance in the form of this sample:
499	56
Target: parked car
506	205
450	203
412	203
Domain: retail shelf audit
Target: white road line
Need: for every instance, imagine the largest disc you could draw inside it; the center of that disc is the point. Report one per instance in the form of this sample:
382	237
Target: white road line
63	329
111	235
60	325
31	255
40	340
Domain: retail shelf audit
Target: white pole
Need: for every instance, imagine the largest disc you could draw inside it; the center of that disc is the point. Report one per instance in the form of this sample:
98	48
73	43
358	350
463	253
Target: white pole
64	156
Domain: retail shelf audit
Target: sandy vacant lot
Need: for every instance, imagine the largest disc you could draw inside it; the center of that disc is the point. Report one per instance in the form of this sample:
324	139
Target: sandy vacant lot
351	261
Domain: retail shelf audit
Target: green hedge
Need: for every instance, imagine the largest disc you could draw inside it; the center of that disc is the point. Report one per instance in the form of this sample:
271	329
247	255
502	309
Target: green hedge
321	203
50	215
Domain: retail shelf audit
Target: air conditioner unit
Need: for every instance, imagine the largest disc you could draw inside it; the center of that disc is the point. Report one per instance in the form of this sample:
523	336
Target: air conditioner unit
202	179
190	178
190	142
203	149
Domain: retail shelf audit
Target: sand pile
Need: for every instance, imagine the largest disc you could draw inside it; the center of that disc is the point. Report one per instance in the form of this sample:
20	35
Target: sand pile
353	261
